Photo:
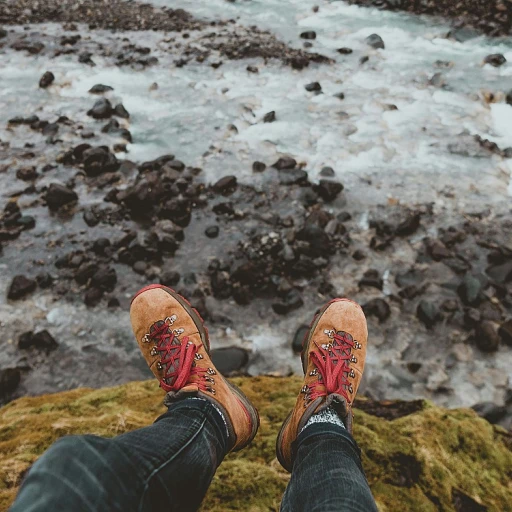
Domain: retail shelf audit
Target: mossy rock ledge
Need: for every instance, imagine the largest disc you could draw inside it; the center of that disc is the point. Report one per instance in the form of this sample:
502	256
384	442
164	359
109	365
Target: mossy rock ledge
417	456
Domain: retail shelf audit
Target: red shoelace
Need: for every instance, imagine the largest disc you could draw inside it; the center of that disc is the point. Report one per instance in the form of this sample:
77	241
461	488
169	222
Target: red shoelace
177	359
332	361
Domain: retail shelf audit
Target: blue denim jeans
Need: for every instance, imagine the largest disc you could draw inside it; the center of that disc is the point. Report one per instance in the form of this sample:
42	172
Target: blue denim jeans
169	466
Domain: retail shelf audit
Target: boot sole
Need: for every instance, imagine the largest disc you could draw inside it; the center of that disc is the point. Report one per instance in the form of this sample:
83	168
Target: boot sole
305	349
205	339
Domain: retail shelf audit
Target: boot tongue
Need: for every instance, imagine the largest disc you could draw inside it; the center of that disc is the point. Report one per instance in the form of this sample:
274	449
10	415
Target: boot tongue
165	334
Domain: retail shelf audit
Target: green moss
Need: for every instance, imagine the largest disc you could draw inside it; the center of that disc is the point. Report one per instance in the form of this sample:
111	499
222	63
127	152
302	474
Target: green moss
412	463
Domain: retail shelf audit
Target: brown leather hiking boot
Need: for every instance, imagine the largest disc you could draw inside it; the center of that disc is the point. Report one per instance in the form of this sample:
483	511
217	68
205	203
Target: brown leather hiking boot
175	344
333	356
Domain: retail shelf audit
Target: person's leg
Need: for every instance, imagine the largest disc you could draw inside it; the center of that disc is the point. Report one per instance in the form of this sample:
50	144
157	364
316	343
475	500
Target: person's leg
327	475
166	466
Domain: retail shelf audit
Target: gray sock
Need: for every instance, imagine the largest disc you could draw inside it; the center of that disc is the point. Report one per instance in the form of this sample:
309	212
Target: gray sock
328	415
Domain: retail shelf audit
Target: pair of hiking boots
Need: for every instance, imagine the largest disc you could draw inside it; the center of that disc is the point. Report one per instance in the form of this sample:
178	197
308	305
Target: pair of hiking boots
175	344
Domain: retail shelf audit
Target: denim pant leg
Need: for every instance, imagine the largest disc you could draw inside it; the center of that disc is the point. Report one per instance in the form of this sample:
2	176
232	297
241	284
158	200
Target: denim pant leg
327	474
167	466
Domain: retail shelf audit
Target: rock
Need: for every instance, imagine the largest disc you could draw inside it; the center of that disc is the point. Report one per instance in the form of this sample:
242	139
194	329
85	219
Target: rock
328	190
258	167
378	308
308	34
345	51
20	287
285	162
470	290
372	278
327	172
486	336
496	60
409	225
438	251
508	97
409	278
428	313
44	280
501	273
91	218
46	80
226	185
3	33
298	338
100	89
293	300
102	109
252	69
212	231
105	279
93	296
170	278
491	412
99	160
111	127
9	380
472	317
140	267
359	255
27	174
505	332
437	80
313	87
230	359
269	117
340	95
121	112
375	41
41	340
58	195
293	176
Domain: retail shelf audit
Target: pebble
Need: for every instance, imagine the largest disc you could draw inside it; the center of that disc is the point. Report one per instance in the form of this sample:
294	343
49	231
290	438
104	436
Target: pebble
269	117
375	41
298	338
121	112
428	313
41	340
372	278
46	80
313	87
345	51
308	34
229	360
169	278
486	336
226	185
20	287
378	308
328	190
102	109
285	162
496	60
212	231
470	290
58	195
100	89
258	166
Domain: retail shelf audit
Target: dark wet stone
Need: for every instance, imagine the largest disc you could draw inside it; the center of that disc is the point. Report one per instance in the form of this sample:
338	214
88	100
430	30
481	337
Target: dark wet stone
486	336
414	367
10	379
85	272
258	167
378	308
20	287
293	300
269	117
508	97
26	222
359	255
375	41
41	340
58	195
32	47
501	273
26	174
298	338
212	231
313	87
50	130
102	109
496	60
91	218
438	251
505	332
105	278
345	51
285	162
437	80
99	160
252	69
111	127
308	34
46	80
44	280
225	185
140	267
470	290
293	176
100	89
409	225
93	296
328	190
428	313
450	305
230	359
409	277
340	95
121	112
490	411
472	317
177	165
85	58
372	278
101	246
169	278
390	410
327	172
78	151
113	303
3	33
